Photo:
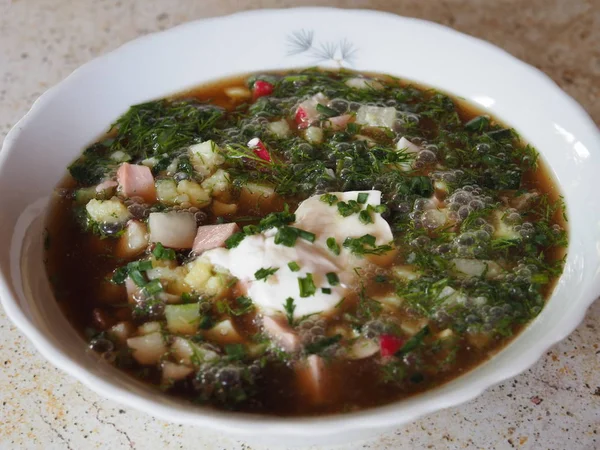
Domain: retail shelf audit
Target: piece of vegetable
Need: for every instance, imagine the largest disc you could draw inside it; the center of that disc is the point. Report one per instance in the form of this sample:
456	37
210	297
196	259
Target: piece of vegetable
147	349
389	344
261	88
259	149
173	229
183	319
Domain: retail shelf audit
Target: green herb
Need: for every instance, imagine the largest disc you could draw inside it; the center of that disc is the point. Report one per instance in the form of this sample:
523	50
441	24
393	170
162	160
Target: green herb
330	199
235	351
293	265
243	305
348	208
333	246
325	111
264	273
160	252
307	286
362	198
332	279
234	240
365	217
326	290
479	123
414	342
365	245
322	344
289	307
152	287
287	236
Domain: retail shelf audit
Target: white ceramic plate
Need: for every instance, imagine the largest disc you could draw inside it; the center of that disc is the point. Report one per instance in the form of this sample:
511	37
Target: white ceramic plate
71	115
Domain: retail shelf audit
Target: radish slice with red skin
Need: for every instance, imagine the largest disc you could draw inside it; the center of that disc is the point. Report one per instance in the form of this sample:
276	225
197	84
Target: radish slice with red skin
261	88
259	149
389	344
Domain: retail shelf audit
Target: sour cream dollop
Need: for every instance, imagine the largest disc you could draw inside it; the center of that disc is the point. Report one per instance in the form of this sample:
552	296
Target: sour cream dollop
315	258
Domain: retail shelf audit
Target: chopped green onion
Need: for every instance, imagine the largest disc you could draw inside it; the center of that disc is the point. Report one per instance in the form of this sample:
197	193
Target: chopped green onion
330	199
264	273
234	240
160	252
326	290
333	279
293	265
362	198
365	217
306	235
326	111
307	286
289	307
333	246
286	236
153	287
137	278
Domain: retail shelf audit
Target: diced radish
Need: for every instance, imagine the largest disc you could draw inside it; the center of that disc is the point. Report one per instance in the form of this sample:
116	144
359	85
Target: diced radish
306	113
134	241
148	328
147	349
213	236
136	181
174	372
376	116
261	88
173	229
279	330
407	146
259	149
301	118
186	352
121	331
339	122
389	344
106	186
311	377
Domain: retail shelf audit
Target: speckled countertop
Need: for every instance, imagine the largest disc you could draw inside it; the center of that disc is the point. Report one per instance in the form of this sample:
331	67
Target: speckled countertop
554	405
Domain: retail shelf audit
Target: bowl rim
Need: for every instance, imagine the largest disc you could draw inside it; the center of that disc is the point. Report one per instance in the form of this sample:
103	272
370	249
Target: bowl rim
385	415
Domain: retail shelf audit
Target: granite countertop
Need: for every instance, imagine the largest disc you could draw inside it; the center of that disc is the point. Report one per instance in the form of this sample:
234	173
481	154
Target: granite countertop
554	405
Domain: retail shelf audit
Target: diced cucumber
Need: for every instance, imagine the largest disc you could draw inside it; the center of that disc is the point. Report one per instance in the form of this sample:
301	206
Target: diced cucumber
183	319
84	195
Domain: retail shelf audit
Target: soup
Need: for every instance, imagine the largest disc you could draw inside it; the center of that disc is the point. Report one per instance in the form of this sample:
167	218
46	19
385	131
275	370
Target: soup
305	242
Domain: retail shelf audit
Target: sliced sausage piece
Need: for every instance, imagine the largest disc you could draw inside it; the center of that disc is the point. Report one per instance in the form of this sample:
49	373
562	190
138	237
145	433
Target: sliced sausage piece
213	236
278	329
311	378
173	229
136	181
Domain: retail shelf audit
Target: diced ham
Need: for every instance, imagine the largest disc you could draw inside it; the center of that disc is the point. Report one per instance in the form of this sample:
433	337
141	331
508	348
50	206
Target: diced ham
279	330
311	378
105	185
339	122
173	229
213	236
136	181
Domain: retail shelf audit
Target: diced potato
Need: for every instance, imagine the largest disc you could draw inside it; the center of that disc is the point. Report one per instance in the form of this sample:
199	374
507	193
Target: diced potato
223	209
148	327
224	333
279	128
183	319
203	279
445	334
174	372
238	93
362	348
149	162
197	196
218	185
257	195
121	331
166	191
186	352
134	241
205	157
314	135
107	211
147	349
376	116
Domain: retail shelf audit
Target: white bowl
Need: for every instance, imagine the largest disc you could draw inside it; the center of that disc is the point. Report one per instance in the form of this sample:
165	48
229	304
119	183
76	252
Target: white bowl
68	117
